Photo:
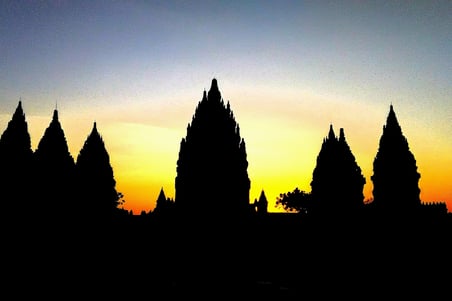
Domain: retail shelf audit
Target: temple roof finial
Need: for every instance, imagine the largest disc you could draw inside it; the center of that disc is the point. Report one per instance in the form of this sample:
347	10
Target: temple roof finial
214	84
55	115
331	133
214	92
341	134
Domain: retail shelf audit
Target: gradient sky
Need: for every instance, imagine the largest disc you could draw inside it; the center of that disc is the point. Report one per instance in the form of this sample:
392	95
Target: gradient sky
288	68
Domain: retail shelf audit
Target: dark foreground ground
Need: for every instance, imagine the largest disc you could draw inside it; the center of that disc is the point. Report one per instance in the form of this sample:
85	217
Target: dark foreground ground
277	257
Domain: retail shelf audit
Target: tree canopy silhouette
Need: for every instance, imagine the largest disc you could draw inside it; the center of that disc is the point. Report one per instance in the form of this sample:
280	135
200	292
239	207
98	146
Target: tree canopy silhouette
298	201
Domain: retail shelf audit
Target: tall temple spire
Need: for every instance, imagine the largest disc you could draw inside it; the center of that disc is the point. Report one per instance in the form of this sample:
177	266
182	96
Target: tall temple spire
214	85
55	165
214	92
55	115
212	175
337	182
395	177
19	113
391	121
341	134
16	157
331	135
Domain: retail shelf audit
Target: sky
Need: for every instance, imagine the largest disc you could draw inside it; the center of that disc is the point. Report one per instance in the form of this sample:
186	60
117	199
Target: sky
289	70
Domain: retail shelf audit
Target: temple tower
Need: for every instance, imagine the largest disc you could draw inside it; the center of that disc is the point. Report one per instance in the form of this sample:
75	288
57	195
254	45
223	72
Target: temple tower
337	182
395	177
212	177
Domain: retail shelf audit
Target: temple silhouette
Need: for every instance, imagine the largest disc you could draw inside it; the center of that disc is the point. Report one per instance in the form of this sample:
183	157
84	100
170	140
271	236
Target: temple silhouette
16	164
54	173
212	178
337	182
395	178
211	230
212	175
47	186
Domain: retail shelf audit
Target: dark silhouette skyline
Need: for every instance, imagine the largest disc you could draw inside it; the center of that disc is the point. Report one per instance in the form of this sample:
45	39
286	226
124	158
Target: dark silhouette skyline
212	173
211	239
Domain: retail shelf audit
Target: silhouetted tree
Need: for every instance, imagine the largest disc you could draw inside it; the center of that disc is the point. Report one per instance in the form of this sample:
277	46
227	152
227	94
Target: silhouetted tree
296	201
395	177
55	172
16	165
212	175
337	182
95	179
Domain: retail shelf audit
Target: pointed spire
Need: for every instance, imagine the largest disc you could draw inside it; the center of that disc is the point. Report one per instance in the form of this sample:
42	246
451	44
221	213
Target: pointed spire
55	115
19	110
391	115
391	120
19	106
331	135
341	135
395	178
213	130
161	195
214	85
95	135
214	92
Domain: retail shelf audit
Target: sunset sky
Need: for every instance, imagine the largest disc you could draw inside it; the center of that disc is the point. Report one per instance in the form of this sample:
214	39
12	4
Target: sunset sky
288	68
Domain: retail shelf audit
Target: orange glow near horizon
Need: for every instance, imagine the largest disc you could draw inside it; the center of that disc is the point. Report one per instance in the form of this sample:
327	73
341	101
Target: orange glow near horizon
289	70
282	142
